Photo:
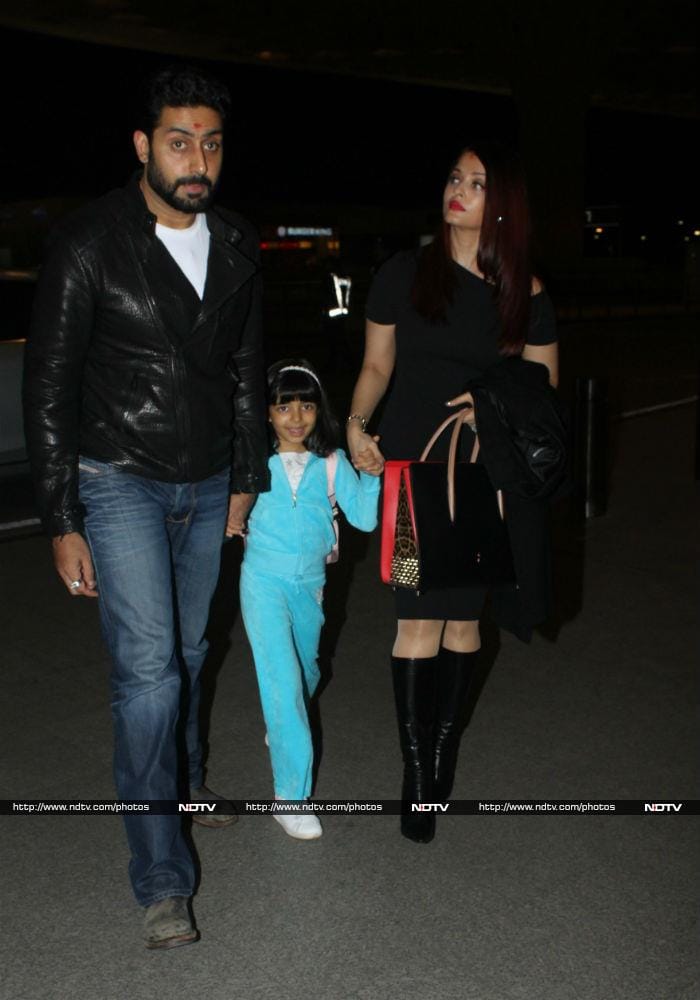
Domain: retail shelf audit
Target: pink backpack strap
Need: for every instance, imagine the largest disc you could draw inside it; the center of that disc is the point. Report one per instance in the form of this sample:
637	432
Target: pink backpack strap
331	466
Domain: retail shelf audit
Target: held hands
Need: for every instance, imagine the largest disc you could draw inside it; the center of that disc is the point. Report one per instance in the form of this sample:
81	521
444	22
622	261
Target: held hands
238	509
73	563
364	452
466	399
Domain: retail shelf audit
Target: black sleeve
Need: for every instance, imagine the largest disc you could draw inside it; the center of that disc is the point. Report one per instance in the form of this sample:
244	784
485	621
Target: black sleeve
61	327
543	322
390	290
250	472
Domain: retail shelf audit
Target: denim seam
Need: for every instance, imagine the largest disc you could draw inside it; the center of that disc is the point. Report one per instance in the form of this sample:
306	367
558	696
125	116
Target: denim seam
167	895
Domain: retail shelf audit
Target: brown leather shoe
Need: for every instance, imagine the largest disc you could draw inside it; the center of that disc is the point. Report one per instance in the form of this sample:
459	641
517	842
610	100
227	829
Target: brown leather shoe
168	924
213	820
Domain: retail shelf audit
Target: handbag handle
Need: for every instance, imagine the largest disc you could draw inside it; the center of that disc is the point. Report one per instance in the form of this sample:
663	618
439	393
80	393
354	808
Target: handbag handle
459	419
461	416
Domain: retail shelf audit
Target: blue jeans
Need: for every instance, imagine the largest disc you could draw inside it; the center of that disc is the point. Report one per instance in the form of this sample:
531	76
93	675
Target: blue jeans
156	548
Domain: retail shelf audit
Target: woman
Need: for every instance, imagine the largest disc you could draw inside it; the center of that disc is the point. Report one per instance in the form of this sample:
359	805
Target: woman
437	318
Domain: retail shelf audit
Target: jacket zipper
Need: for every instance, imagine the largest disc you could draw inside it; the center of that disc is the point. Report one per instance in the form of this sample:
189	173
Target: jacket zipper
182	412
294	504
182	417
286	479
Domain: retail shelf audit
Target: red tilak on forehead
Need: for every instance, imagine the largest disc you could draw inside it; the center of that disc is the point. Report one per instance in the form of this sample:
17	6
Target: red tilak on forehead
197	124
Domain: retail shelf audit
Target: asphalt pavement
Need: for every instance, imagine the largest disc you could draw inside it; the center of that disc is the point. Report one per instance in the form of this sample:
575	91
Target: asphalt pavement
600	706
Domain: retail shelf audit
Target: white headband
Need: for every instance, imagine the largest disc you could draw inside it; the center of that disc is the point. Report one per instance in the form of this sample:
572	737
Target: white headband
298	368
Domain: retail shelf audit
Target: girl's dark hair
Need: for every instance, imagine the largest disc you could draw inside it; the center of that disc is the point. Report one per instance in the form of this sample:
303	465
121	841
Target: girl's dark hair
286	386
503	256
180	87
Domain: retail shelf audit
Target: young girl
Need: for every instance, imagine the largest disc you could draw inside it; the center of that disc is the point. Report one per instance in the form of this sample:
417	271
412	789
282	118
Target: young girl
290	535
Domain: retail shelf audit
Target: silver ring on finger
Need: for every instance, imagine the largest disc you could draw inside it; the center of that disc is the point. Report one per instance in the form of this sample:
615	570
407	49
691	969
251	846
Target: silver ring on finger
74	584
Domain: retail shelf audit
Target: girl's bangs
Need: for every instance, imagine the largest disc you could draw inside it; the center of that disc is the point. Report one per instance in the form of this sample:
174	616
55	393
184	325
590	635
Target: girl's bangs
294	385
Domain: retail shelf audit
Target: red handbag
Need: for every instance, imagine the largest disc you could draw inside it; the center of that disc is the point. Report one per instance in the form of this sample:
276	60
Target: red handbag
443	522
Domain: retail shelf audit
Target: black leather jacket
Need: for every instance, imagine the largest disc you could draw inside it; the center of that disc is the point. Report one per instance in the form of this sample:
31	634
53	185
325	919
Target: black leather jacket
522	428
522	432
125	364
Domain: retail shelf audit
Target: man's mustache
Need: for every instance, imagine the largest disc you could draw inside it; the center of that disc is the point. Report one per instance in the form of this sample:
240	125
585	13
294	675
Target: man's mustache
195	179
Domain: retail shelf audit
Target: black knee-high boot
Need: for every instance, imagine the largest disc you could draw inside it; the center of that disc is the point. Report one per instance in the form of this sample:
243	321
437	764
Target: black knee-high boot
414	692
454	675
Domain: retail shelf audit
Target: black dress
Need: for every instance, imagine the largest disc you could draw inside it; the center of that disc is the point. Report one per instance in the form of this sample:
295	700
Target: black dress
433	364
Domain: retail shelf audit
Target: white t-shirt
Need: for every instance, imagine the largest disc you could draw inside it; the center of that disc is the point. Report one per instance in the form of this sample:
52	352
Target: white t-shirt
294	463
189	248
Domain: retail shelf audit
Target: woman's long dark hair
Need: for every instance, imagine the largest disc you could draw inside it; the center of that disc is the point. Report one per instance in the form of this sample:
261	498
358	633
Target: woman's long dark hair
503	256
286	386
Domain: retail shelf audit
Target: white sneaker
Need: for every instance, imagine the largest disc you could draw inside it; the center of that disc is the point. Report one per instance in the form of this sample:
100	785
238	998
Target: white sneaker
302	826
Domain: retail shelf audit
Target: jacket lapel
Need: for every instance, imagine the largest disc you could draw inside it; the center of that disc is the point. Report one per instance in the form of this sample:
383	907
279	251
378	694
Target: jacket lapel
227	268
176	299
163	285
175	305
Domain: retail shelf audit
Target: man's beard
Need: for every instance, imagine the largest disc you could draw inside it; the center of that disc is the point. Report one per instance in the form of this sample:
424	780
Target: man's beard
167	191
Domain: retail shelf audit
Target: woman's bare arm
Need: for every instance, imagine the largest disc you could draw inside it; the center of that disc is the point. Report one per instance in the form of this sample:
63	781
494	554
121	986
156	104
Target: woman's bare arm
372	382
545	354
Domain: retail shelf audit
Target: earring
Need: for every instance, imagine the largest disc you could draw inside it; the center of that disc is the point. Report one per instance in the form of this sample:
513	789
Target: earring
499	219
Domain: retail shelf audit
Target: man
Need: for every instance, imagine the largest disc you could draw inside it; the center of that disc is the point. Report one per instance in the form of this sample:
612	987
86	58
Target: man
145	424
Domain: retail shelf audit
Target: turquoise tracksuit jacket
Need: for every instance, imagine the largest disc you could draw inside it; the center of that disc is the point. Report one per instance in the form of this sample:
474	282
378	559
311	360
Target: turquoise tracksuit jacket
291	534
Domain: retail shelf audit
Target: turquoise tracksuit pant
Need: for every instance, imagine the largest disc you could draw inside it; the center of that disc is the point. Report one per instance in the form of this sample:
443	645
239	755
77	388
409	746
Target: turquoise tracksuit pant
292	533
283	618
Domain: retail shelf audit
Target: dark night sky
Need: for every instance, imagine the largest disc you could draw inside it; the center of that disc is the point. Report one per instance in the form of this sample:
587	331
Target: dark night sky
306	138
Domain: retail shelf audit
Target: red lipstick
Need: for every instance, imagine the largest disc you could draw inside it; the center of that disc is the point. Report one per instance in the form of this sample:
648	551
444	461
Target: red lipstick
456	206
